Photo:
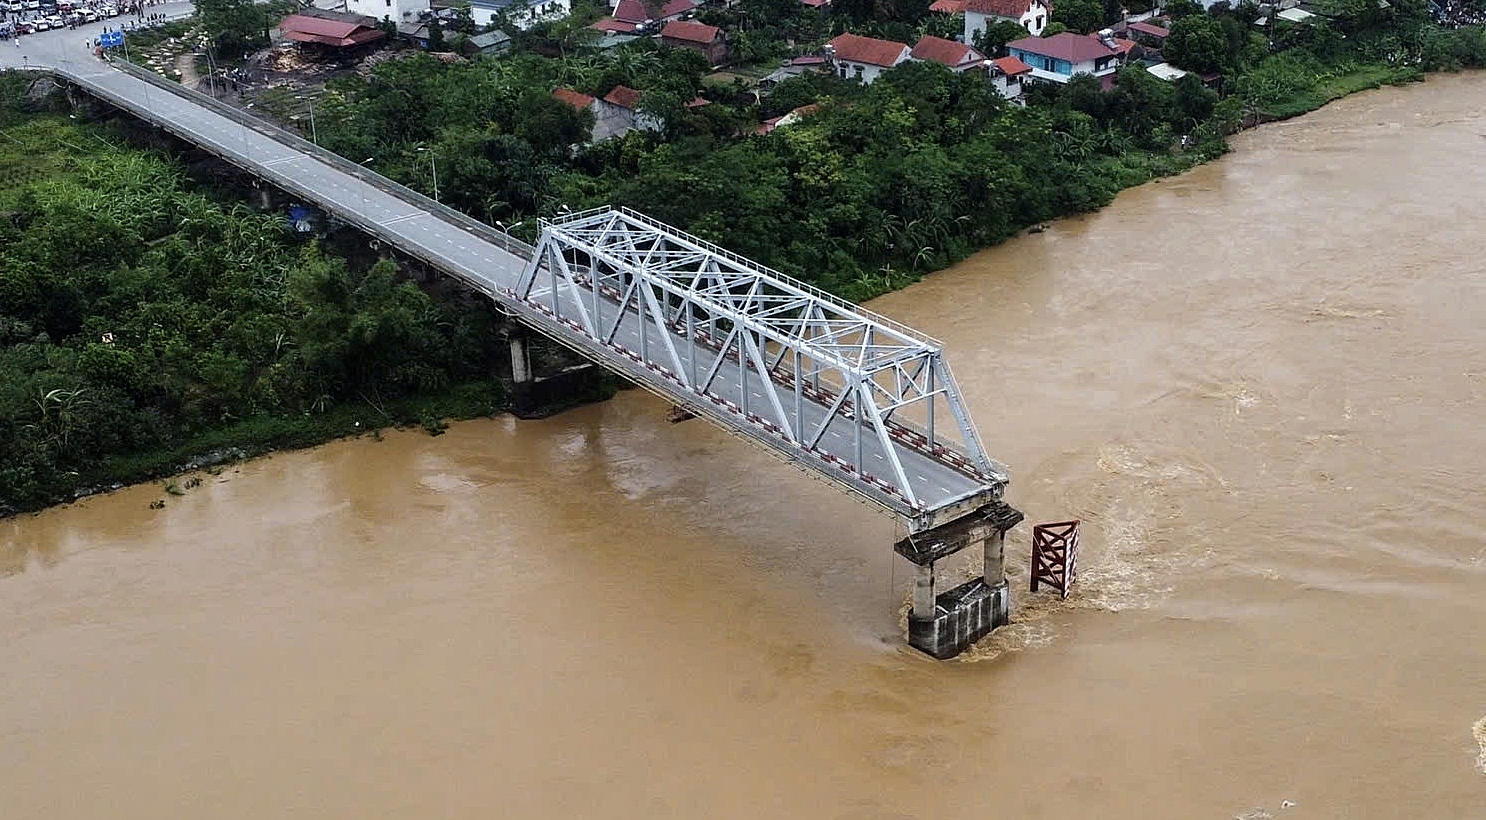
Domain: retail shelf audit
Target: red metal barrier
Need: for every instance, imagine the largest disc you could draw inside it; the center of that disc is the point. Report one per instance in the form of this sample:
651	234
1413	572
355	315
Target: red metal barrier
1055	555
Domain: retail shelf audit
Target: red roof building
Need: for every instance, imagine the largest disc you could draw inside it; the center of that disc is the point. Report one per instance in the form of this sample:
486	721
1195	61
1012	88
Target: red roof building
699	37
1032	15
623	96
1011	66
1154	32
634	11
1006	9
957	57
690	31
869	50
335	33
609	25
575	99
1066	46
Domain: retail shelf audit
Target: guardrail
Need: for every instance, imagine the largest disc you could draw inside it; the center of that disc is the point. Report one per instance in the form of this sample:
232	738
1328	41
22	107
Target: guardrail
486	232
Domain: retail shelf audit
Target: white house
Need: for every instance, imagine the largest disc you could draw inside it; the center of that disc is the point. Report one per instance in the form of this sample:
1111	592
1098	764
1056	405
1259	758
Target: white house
864	58
1032	15
398	11
1007	74
523	13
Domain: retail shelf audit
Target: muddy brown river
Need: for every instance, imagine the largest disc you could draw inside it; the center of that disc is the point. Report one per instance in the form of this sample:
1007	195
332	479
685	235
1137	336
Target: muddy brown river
1261	385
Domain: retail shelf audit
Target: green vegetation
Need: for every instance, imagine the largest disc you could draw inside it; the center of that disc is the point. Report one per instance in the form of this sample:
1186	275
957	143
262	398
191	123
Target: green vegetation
878	184
144	323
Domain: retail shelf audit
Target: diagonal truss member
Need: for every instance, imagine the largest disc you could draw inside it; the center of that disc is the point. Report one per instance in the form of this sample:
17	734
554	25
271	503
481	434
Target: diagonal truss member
865	401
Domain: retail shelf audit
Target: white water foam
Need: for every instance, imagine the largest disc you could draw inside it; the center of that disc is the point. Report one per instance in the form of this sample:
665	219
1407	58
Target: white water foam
1479	730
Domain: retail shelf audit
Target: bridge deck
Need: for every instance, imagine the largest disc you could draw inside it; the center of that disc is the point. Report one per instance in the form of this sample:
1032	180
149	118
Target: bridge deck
943	485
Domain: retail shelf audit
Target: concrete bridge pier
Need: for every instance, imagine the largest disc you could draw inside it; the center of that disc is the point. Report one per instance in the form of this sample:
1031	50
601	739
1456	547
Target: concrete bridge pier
536	396
944	624
520	357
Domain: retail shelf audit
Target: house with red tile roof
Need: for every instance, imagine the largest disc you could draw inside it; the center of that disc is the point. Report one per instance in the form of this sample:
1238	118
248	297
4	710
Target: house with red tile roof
304	28
609	25
1149	31
864	58
1032	15
957	57
709	41
618	113
629	15
636	11
1007	74
1057	58
576	99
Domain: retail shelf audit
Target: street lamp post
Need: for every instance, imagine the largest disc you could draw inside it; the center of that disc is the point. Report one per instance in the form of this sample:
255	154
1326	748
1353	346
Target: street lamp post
244	126
432	163
362	187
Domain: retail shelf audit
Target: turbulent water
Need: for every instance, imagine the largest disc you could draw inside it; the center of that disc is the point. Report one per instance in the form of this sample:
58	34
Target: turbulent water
1261	385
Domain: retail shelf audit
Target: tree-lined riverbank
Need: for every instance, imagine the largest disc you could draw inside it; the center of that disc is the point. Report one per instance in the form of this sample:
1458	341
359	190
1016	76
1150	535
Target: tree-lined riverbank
147	319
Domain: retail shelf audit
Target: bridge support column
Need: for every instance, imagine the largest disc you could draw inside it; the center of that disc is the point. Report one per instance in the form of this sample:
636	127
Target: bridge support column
520	359
944	624
536	396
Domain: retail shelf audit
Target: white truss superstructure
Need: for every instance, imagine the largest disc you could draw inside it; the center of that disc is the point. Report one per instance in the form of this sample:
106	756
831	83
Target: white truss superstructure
861	398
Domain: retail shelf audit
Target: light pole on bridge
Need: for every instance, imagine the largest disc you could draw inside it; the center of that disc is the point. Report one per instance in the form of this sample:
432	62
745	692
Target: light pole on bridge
433	164
314	132
361	189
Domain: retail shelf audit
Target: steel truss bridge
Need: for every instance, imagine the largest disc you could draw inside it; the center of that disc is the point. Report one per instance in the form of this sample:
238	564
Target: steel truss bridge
839	391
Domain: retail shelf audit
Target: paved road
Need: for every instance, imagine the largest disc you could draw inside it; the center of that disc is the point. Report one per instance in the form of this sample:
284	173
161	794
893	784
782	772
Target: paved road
477	254
48	46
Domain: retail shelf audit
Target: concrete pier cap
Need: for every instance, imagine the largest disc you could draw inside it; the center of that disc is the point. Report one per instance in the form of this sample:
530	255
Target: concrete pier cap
944	624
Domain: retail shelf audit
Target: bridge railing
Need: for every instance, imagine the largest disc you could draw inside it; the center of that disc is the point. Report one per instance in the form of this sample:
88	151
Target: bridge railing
749	264
486	232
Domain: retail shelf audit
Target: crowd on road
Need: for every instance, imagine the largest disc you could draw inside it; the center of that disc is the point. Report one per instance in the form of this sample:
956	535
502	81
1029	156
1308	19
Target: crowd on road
22	17
1455	13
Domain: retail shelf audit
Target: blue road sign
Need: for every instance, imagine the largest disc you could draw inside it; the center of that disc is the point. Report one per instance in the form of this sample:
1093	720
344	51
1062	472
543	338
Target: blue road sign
111	39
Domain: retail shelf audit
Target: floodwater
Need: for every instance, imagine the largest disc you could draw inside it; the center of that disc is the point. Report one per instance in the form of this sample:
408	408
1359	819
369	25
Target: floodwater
1261	385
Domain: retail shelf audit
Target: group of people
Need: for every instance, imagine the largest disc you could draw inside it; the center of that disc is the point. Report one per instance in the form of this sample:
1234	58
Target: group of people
1455	13
71	16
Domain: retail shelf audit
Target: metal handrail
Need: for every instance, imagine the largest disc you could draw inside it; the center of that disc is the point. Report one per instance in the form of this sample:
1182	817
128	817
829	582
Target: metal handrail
789	281
491	234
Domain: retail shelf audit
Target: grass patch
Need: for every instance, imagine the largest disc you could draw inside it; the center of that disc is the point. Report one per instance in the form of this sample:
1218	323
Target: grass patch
1333	85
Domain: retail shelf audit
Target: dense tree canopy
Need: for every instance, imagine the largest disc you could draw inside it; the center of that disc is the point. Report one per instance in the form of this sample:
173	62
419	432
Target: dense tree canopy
137	313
